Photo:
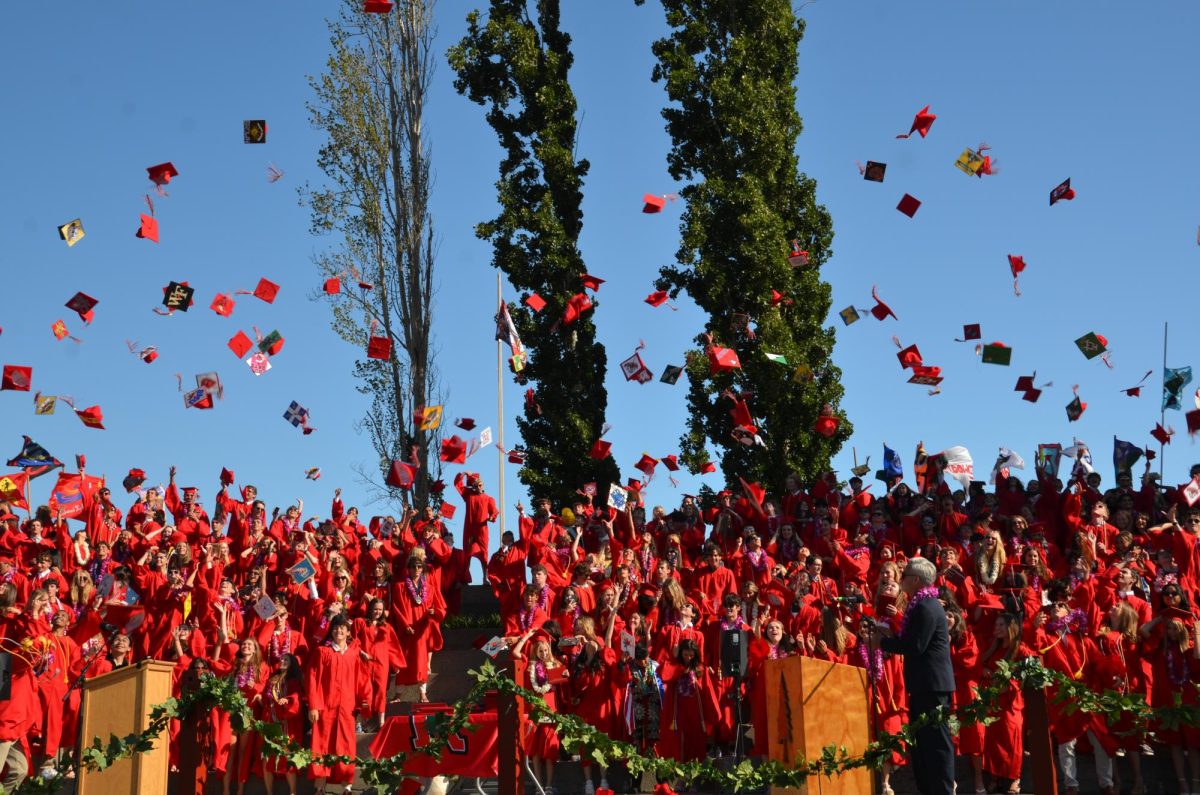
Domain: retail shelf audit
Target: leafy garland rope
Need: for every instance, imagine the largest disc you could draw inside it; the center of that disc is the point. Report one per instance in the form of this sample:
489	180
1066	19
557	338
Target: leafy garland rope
387	775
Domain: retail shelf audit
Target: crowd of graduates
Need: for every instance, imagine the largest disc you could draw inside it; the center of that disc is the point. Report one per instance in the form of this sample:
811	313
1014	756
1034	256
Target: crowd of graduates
619	612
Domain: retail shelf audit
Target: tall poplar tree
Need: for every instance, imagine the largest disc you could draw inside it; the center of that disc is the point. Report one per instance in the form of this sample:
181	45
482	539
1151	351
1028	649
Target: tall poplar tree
516	65
729	69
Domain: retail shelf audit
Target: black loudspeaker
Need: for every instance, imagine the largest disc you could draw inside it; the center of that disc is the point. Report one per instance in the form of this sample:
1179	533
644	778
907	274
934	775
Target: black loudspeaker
733	652
5	676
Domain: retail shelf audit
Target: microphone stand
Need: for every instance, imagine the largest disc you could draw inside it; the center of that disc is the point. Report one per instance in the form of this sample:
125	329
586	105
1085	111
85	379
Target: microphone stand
872	647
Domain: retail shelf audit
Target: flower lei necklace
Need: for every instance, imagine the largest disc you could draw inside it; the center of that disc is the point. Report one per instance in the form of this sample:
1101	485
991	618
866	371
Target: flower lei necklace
418	596
1074	620
873	663
727	625
541	682
928	592
245	678
1177	670
687	685
278	647
757	558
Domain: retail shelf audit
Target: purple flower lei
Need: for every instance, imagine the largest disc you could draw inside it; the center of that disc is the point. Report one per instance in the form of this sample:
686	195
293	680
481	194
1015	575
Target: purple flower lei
418	596
874	666
928	592
1074	620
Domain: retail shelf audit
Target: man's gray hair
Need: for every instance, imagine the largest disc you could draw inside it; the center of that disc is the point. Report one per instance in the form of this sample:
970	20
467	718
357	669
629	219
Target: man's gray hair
922	569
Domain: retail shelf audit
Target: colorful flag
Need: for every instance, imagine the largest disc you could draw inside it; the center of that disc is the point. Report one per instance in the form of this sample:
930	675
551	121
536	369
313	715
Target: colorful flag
34	459
1048	458
12	489
506	332
1006	460
1083	458
1174	380
893	468
921	468
68	493
1125	455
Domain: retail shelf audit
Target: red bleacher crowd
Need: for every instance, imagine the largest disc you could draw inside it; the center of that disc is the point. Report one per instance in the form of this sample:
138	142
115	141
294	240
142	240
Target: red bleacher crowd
619	612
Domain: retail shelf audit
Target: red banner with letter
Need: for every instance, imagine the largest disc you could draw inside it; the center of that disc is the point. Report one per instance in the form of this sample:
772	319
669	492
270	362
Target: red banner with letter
469	753
68	492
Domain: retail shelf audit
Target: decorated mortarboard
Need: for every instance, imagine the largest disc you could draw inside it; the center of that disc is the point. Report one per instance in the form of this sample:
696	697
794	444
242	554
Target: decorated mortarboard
880	311
302	572
671	374
17	378
1091	345
454	450
600	449
591	282
254	131
429	418
266	290
997	353
43	405
271	344
197	399
1062	192
909	357
516	456
379	348
313	473
1016	264
535	302
926	375
849	315
92	417
634	369
921	123
297	415
135	478
240	344
909	205
873	171
222	305
82	304
177	295
377	6
777	358
59	329
401	475
161	174
72	232
332	286
654	204
466	423
148	228
259	363
1076	407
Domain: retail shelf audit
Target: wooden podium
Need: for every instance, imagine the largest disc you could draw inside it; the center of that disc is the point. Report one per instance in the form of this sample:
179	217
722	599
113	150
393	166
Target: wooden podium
119	703
812	704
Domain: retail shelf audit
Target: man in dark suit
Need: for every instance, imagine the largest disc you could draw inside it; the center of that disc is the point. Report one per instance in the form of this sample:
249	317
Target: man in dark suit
928	677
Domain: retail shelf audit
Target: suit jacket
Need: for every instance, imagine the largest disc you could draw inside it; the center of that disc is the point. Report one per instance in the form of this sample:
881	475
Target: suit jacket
925	645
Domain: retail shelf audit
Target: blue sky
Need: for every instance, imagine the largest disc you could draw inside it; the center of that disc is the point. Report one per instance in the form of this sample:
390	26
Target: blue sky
1092	92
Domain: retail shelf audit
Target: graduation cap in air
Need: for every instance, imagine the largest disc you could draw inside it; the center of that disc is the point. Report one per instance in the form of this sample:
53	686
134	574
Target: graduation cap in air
1062	192
271	344
1136	389
59	330
1162	435
377	6
997	353
797	257
91	417
82	304
827	423
240	344
591	282
657	298
454	450
873	172
576	306
671	374
880	311
1091	345
161	174
516	456
707	468
379	348
909	205
671	462
971	331
849	315
466	423
926	375
646	464
600	449
1016	264
332	286
266	290
654	204
535	302
135	478
1193	421
16	377
177	295
1025	385
401	475
148	228
909	357
1075	408
254	131
259	363
921	123
72	232
448	510
722	360
222	305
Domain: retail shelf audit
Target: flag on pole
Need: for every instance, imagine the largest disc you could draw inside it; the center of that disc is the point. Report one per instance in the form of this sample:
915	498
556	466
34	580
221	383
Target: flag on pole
1174	380
893	468
12	489
34	459
1125	455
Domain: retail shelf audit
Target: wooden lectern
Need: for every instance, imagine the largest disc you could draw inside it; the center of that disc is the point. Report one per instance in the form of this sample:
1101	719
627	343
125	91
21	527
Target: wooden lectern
119	703
812	704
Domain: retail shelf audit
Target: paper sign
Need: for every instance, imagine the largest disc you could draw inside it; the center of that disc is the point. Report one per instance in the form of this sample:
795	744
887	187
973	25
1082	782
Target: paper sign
265	608
494	647
302	571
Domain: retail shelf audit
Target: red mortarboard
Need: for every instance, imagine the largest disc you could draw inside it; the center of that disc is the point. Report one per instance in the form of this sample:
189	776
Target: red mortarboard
989	601
721	359
707	468
971	331
600	449
741	414
634	485
880	310
576	306
379	348
1161	434
1178	614
592	282
266	290
135	478
657	298
162	173
1193	421
148	228
1024	384
778	298
535	302
91	417
1016	264
827	424
652	203
921	123
1133	391
466	423
1062	192
149	354
59	329
240	344
516	456
332	286
671	462
16	377
909	357
222	305
448	510
754	492
226	476
909	205
401	475
377	6
82	303
454	450
646	464
926	375
1032	395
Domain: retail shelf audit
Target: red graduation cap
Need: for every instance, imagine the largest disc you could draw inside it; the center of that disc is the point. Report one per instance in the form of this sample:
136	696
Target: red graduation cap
1193	421
466	423
454	450
1024	384
162	173
222	305
600	449
653	204
149	354
448	510
881	310
707	468
909	357
226	477
148	228
91	417
266	290
379	348
827	424
671	462
646	464
516	456
926	375
971	331
59	330
657	298
1032	395
16	378
778	298
909	205
1016	264
576	306
535	302
592	282
741	414
921	123
240	344
722	360
82	303
377	6
1161	434
1062	192
332	286
401	475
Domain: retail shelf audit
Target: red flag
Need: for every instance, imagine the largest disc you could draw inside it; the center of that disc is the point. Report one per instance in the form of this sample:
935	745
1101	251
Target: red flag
68	493
473	752
12	489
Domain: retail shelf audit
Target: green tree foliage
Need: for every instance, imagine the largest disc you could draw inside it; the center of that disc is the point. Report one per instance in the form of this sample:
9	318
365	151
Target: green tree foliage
729	69
516	66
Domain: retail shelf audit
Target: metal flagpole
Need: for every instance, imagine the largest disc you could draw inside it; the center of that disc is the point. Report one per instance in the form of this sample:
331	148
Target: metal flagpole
500	409
1162	412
